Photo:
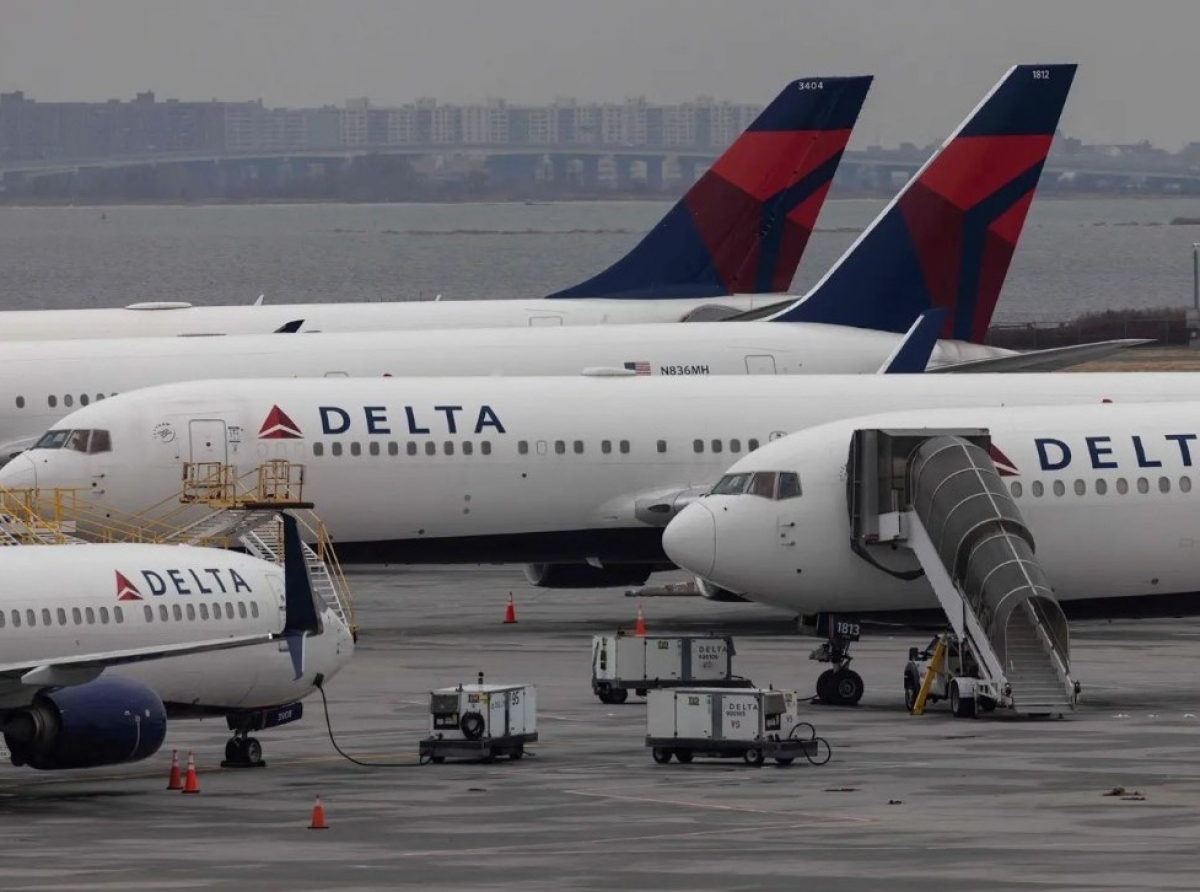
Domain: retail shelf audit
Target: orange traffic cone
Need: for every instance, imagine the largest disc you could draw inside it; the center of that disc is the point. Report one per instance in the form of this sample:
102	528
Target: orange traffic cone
318	817
190	783
639	625
510	612
175	782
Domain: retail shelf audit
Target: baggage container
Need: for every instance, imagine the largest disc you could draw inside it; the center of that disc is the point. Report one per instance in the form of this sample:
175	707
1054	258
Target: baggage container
754	724
621	663
480	721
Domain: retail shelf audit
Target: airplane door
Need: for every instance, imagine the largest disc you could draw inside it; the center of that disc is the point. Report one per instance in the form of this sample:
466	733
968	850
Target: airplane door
760	365
544	320
209	441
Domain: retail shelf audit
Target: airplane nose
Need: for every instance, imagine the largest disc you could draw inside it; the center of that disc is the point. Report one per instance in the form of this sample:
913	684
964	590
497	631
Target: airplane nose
690	539
20	473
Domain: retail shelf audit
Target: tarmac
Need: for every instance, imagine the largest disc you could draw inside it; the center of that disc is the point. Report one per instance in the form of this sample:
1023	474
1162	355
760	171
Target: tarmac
924	803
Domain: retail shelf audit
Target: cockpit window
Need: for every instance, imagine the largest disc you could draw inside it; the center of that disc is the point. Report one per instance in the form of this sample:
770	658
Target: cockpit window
52	440
789	485
731	484
83	440
763	484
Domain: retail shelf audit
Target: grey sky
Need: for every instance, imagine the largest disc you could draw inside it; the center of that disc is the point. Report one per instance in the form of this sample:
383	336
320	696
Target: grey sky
933	59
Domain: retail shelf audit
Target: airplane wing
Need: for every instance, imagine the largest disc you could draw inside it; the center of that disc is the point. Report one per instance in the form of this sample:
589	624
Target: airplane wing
1052	360
83	668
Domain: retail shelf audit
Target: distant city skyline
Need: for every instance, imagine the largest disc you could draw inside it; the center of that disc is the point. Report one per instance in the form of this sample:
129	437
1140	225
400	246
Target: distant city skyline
933	59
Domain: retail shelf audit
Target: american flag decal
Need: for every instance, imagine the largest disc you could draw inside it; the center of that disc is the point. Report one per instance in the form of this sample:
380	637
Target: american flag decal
641	367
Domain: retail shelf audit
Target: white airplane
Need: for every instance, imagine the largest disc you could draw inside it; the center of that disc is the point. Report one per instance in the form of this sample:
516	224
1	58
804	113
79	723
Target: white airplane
738	232
102	643
576	477
1106	492
872	287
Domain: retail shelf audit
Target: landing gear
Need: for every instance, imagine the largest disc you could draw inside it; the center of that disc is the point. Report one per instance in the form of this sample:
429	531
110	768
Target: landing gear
840	686
243	751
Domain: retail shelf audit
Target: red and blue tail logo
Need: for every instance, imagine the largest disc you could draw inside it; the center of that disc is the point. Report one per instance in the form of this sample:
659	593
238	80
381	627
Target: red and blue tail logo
743	226
947	239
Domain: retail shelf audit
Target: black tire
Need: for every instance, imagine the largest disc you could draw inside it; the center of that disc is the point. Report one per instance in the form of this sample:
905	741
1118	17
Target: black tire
754	757
962	707
605	695
825	687
911	689
986	704
784	762
661	755
253	751
235	751
472	725
641	692
684	756
617	696
848	687
516	756
437	760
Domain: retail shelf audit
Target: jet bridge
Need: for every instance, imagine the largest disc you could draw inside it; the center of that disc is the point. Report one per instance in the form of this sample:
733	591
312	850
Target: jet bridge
938	493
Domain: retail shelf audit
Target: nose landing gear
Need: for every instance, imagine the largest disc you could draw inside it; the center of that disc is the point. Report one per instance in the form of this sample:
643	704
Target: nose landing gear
243	751
840	686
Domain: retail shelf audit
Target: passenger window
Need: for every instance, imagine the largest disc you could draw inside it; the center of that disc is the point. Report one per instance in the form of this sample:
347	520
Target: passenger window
373	448
30	618
83	399
541	447
468	448
735	445
191	612
411	448
393	448
1015	489
254	609
90	615
448	447
242	609
162	612
204	611
579	447
1164	484
662	446
229	610
101	442
763	484
486	447
118	614
1101	486
149	613
751	444
1080	488
1122	485
46	616
1037	489
335	448
104	615
356	448
76	616
68	401
697	446
177	611
3	619
318	449
16	619
430	447
1059	487
99	397
606	446
624	447
559	447
1185	484
52	401
20	402
1143	485
62	616
789	485
716	445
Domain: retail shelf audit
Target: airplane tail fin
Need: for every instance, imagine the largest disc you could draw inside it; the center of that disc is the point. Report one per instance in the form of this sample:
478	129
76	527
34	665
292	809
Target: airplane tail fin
946	240
742	227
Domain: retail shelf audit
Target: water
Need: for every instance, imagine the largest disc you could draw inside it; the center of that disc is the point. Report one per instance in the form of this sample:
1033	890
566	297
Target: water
1074	256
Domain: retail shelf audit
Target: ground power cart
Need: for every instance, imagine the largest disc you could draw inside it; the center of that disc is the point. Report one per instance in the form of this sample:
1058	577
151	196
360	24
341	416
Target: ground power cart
754	724
480	721
622	663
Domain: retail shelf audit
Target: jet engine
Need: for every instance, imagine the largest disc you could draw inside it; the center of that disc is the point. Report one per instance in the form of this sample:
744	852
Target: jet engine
586	576
104	722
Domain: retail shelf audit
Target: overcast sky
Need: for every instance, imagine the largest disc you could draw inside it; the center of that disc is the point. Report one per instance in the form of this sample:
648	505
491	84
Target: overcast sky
933	59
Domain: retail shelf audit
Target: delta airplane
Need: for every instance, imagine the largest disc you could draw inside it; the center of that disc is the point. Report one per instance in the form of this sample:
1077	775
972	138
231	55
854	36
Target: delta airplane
1107	492
739	231
815	334
103	642
575	477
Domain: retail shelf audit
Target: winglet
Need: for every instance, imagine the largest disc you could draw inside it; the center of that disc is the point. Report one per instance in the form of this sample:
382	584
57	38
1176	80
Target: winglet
912	354
743	226
289	327
946	240
301	613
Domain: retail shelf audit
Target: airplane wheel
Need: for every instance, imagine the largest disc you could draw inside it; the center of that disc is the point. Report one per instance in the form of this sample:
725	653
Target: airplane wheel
848	687
253	751
235	751
825	687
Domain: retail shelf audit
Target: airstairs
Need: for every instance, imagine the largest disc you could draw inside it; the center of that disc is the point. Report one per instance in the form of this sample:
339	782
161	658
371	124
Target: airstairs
238	511
940	495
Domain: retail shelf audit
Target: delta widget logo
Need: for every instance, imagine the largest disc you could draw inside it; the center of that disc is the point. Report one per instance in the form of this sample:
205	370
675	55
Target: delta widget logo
278	426
1005	466
126	590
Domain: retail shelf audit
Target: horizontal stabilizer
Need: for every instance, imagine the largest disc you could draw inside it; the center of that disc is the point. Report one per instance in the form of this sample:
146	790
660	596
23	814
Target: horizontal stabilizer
1051	360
